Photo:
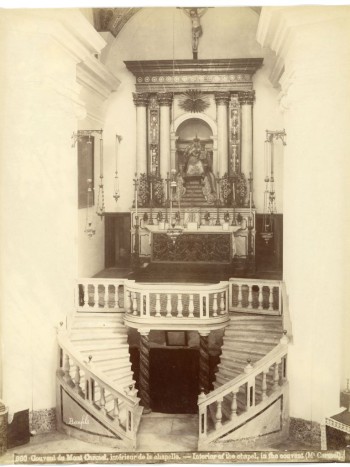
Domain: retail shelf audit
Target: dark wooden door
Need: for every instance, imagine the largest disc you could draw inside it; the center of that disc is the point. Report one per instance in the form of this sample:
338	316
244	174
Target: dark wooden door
117	239
174	380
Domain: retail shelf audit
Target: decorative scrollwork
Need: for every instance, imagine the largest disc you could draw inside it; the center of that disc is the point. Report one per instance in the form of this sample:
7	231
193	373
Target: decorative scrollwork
193	101
143	191
158	191
226	189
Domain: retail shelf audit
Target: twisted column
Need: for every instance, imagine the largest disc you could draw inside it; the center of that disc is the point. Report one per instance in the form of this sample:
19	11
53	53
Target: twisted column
141	102
204	361
165	100
144	372
222	99
246	99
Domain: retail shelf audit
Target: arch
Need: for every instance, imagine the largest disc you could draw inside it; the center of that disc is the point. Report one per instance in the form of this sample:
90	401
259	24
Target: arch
182	118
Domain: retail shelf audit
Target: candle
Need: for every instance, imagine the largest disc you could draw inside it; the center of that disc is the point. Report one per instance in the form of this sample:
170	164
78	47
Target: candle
151	190
101	157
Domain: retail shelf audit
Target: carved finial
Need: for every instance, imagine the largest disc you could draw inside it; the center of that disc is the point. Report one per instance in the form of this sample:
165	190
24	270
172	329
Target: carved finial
248	366
61	323
284	339
90	358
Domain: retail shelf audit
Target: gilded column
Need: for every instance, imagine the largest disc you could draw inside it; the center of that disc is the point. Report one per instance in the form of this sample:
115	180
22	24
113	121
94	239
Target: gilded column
144	372
165	100
141	101
246	100
222	99
204	381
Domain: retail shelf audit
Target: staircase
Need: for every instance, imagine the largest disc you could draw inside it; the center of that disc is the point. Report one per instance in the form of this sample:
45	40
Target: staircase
248	407
95	376
194	193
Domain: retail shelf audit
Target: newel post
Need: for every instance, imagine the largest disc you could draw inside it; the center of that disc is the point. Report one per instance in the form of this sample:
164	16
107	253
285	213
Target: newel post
144	371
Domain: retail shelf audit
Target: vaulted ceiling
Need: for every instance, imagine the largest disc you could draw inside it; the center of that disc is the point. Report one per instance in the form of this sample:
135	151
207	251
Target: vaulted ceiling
114	19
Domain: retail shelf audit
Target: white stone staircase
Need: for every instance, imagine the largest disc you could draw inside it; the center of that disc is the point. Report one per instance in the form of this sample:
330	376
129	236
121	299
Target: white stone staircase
96	373
249	404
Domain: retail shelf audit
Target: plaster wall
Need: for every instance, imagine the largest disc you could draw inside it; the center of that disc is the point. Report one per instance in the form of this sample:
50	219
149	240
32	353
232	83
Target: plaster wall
316	54
39	225
165	33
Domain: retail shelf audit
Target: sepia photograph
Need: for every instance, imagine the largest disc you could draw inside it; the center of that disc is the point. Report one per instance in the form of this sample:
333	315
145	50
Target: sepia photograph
174	215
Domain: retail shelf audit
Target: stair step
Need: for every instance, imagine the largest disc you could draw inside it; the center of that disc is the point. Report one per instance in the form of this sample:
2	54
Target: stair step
263	341
114	352
98	335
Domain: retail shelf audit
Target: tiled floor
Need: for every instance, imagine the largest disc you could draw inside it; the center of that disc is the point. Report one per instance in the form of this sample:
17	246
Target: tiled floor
157	432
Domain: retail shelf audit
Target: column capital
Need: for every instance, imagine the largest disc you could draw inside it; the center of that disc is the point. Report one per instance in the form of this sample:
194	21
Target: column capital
204	333
144	332
246	97
165	98
222	97
140	98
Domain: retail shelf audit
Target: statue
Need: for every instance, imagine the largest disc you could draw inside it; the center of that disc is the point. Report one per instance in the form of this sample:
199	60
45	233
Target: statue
198	164
195	14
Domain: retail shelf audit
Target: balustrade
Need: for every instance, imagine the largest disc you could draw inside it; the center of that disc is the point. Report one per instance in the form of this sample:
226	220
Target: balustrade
94	390
100	295
251	295
238	398
157	301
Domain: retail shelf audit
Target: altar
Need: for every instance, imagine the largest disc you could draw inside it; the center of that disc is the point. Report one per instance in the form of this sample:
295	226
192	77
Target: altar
208	244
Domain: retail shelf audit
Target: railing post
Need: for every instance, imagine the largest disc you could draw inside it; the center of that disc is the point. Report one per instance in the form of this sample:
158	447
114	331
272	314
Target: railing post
168	305
116	296
222	303
276	376
134	304
105	296
264	385
271	298
103	401
250	296
179	306
95	295
239	297
204	360
66	368
144	371
218	414
233	412
77	387
260	307
215	304
116	411
202	416
191	307
158	305
127	304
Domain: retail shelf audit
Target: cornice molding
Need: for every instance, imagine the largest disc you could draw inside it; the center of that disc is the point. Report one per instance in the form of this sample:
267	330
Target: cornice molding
97	77
180	75
140	98
165	98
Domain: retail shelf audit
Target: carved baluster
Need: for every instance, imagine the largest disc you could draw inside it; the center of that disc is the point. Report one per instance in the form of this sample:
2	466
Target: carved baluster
134	303
77	387
222	303
202	415
127	305
95	296
215	304
66	369
106	296
116	297
239	298
103	401
158	305
85	296
271	298
276	376
191	307
116	411
264	385
260	297
179	306
168	305
250	296
233	412
218	415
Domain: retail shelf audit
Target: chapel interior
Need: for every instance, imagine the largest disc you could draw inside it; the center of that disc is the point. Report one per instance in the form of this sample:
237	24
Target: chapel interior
174	225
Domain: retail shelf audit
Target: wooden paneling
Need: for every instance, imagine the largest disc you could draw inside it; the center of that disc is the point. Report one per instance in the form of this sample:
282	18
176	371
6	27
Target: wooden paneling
269	257
117	239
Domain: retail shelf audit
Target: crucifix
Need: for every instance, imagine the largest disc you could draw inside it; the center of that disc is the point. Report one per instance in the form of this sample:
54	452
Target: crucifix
195	15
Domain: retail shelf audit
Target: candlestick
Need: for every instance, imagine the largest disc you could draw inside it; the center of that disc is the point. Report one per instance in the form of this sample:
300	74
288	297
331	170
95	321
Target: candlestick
136	202
250	203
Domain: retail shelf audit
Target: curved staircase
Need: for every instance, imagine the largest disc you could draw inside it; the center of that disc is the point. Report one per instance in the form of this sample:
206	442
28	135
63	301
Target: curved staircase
96	386
248	407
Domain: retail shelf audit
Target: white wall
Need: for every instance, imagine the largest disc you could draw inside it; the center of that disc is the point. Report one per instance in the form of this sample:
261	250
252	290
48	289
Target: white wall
165	33
316	55
39	225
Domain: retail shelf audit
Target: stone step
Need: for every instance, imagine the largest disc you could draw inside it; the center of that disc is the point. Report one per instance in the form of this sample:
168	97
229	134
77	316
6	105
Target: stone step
262	341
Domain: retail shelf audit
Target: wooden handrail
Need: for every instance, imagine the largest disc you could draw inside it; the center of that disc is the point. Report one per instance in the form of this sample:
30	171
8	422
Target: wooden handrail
263	364
101	379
